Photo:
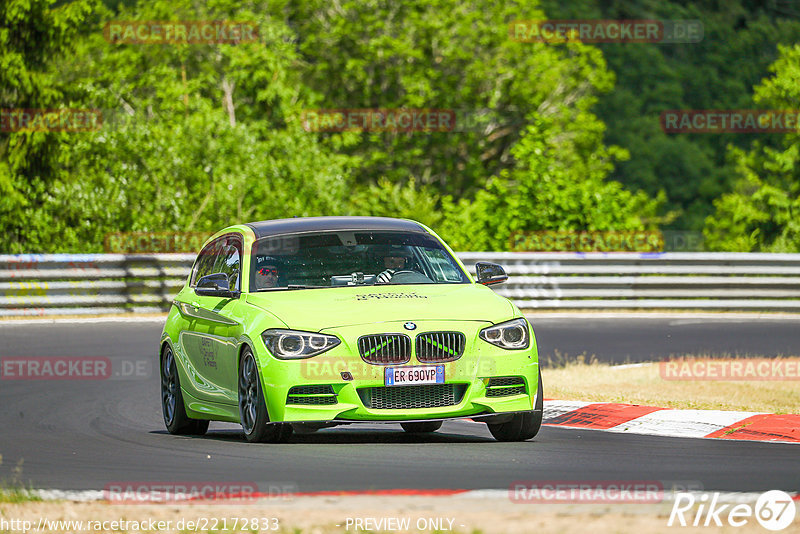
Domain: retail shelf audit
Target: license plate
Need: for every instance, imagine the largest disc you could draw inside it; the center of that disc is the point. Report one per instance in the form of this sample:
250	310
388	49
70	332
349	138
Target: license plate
414	375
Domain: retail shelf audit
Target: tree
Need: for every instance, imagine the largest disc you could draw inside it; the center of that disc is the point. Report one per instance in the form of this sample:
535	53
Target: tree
441	54
196	136
560	184
761	214
34	36
718	72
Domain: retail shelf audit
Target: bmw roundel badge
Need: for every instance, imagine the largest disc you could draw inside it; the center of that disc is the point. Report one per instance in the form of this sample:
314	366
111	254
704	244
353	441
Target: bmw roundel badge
410	326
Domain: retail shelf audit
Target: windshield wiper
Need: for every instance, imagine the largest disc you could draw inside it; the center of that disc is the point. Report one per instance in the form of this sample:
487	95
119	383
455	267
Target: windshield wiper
299	286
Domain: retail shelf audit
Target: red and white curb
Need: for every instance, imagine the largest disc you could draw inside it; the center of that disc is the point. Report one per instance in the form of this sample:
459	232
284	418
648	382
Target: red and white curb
651	420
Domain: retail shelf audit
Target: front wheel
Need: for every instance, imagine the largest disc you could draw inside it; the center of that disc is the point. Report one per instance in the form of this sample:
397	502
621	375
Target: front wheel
172	407
524	425
252	408
424	427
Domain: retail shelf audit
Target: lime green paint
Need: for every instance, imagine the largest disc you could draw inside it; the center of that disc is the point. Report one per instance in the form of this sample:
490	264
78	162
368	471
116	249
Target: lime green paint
208	333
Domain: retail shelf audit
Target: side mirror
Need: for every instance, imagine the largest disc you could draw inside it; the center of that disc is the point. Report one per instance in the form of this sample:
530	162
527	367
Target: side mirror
215	285
490	273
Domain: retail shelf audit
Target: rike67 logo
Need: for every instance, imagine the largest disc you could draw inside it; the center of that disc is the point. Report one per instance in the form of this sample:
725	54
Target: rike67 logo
774	510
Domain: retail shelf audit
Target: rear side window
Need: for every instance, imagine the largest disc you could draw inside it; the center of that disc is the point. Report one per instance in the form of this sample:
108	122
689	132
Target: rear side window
204	264
223	255
229	262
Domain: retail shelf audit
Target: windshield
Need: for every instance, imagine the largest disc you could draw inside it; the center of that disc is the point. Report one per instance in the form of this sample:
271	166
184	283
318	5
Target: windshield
337	259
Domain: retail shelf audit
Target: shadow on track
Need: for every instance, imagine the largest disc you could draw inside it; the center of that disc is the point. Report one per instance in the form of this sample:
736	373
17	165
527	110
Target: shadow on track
344	436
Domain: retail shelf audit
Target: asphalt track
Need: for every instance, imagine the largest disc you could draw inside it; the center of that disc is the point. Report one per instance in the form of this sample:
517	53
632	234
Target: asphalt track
638	339
86	434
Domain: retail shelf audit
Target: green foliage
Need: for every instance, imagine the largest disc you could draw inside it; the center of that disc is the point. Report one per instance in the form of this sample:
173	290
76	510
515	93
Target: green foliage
200	136
560	184
450	55
35	37
442	54
740	41
761	214
393	199
169	156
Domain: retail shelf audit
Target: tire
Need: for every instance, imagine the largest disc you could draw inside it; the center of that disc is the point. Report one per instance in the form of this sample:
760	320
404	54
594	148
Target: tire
422	428
524	425
252	409
172	407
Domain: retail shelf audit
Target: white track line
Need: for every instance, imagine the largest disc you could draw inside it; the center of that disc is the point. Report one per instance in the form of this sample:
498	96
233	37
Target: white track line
556	408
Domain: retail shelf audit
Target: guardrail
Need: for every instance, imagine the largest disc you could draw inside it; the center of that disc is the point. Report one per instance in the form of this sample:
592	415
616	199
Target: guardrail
77	284
629	280
81	284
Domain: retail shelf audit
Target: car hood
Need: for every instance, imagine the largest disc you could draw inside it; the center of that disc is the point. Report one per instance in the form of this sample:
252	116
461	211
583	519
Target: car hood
316	309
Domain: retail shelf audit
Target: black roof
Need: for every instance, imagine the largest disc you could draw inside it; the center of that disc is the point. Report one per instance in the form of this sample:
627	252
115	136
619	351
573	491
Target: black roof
318	224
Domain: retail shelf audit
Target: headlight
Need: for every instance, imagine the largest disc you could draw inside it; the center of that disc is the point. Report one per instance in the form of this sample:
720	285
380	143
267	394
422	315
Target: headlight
295	345
511	335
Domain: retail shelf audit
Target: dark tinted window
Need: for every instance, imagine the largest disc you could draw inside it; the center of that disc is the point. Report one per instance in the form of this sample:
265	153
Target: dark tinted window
340	257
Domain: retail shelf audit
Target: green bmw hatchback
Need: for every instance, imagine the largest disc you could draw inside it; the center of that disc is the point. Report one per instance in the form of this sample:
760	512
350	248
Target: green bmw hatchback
306	323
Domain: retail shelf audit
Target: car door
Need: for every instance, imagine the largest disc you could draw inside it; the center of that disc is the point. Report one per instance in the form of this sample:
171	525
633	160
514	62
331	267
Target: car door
214	326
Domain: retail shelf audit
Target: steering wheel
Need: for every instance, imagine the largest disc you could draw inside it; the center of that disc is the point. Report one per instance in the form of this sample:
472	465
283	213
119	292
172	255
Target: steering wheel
409	277
393	275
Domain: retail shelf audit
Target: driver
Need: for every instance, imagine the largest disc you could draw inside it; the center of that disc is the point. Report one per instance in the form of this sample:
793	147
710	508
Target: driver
394	260
267	272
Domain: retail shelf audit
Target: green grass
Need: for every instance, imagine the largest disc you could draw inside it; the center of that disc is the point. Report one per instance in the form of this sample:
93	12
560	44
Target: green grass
582	378
12	490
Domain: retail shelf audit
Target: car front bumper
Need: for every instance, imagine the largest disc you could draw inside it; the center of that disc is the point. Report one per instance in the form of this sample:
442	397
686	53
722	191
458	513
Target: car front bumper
469	388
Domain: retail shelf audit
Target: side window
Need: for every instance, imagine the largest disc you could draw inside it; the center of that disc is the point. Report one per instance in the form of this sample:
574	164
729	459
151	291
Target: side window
229	261
442	266
204	264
